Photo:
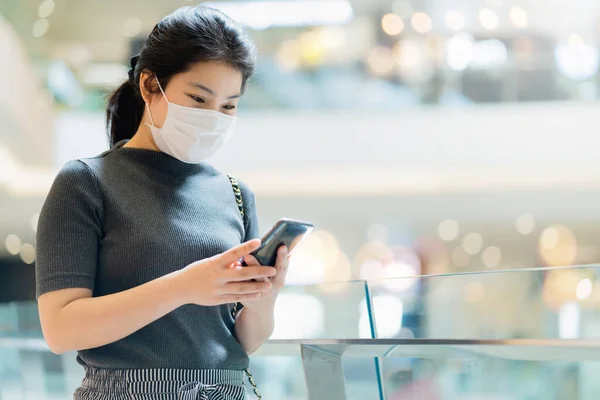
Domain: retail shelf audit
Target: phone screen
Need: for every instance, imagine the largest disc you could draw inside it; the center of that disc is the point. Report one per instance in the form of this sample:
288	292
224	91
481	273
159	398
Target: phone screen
285	232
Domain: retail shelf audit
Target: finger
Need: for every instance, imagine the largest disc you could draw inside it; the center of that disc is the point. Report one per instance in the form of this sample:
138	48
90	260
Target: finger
281	265
282	258
250	260
239	298
257	279
236	264
246	287
249	273
238	252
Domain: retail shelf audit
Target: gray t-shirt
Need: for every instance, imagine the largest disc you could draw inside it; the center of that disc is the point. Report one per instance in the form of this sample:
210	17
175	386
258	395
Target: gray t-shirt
128	216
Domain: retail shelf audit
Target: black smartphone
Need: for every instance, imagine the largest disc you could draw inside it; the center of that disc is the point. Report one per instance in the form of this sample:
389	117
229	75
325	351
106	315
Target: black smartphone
286	232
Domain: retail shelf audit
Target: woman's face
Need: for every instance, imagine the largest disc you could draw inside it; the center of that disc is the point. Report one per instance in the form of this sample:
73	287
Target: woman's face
209	85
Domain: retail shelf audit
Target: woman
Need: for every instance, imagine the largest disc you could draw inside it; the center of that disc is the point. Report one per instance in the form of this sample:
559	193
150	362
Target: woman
139	248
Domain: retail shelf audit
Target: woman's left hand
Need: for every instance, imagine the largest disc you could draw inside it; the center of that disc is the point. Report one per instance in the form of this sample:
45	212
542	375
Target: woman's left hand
277	281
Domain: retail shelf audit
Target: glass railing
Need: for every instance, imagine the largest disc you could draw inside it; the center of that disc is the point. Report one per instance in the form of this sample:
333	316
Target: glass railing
517	334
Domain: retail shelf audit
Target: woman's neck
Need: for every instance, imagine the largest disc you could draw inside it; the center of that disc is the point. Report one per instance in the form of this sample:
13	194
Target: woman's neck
142	140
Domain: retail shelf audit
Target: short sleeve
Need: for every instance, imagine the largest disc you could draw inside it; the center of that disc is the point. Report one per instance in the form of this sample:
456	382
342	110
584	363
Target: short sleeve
69	231
251	220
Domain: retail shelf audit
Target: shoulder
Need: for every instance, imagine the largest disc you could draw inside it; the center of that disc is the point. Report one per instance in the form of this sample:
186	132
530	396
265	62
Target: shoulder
74	171
75	176
247	191
106	158
97	162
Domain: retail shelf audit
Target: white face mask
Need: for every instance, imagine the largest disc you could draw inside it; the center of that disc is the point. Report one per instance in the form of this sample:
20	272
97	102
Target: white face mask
191	134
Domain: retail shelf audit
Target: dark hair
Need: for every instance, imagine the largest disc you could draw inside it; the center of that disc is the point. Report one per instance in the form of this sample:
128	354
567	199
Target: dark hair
183	38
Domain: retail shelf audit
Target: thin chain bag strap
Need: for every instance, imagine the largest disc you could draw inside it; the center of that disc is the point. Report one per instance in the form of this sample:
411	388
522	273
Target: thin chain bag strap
240	203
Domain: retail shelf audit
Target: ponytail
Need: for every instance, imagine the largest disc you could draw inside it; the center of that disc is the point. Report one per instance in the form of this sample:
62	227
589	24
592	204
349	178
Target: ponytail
124	113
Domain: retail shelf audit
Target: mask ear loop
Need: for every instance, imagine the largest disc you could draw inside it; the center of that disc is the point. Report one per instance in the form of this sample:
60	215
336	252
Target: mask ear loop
164	95
161	89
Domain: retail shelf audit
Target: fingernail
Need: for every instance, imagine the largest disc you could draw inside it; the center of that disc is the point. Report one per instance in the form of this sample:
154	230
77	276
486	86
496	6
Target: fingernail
284	250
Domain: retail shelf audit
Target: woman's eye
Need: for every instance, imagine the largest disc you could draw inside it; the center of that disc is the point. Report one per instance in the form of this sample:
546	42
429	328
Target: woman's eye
197	99
229	107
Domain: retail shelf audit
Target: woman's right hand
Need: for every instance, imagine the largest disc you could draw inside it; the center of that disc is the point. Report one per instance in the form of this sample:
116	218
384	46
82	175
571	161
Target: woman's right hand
213	281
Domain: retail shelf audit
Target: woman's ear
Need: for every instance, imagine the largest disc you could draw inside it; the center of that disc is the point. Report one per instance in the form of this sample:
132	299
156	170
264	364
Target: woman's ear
147	85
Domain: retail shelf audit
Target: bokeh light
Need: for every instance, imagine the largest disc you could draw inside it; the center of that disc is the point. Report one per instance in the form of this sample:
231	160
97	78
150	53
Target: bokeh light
491	257
388	312
13	244
525	224
459	51
28	253
577	60
398	276
371	258
560	287
455	20
421	22
448	230
408	54
472	243
558	245
549	238
380	60
298	316
488	54
40	27
312	48
317	260
519	17
406	266
45	9
488	19
332	37
370	269
584	289
392	24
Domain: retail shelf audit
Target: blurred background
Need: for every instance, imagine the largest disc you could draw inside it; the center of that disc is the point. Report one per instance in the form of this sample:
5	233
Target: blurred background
421	137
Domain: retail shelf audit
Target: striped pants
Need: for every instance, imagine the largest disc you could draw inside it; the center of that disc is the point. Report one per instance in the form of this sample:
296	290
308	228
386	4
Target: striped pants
161	384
